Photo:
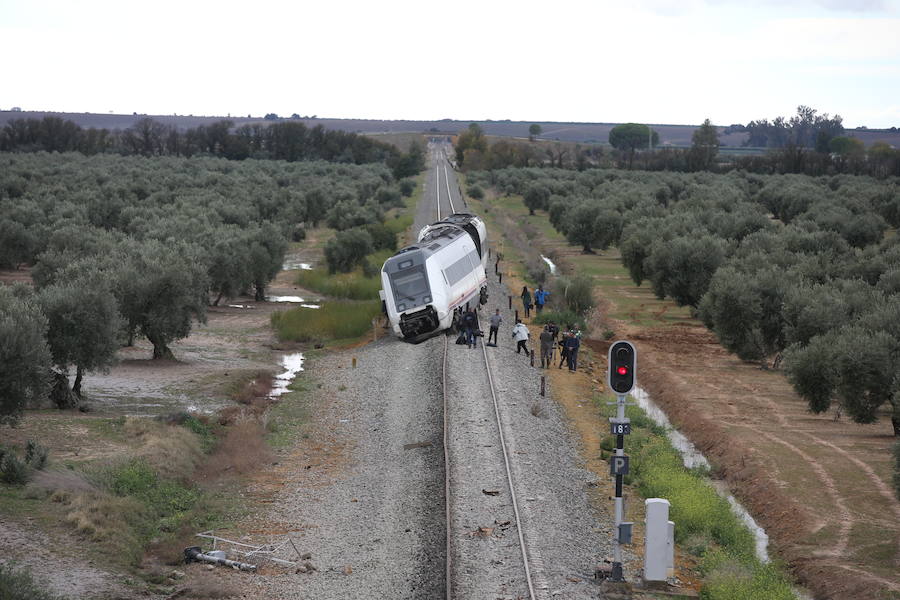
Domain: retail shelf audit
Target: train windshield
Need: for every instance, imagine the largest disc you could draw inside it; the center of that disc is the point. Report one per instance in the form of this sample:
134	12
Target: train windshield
410	284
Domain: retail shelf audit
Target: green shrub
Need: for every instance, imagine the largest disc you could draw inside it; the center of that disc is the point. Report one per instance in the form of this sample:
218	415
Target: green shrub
13	470
407	187
575	294
383	238
18	584
347	249
563	318
35	455
335	320
298	234
475	192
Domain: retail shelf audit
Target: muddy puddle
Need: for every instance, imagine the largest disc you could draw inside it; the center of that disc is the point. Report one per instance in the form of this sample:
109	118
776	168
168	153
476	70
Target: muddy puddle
694	458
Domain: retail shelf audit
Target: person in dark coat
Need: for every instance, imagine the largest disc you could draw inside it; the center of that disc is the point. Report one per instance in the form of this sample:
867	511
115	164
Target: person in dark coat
546	347
563	350
526	301
470	324
572	345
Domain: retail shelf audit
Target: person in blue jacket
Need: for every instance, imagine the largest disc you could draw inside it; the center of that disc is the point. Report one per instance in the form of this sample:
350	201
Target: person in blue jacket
540	298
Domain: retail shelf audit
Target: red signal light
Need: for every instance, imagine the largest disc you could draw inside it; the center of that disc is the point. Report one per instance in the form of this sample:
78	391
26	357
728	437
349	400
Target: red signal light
623	370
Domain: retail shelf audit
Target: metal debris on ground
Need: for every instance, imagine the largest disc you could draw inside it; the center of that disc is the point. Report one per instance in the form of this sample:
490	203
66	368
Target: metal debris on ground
252	552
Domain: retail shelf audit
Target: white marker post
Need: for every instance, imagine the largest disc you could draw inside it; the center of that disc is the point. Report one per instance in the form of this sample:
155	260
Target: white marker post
621	379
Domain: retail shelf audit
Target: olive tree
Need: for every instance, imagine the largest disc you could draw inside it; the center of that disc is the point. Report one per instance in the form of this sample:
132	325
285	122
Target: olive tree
347	249
24	355
83	324
162	288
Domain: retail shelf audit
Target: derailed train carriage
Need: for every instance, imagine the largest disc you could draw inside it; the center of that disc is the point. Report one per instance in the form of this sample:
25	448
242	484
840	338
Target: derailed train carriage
423	284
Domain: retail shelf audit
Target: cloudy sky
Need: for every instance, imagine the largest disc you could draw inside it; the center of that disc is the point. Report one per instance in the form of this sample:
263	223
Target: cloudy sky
656	61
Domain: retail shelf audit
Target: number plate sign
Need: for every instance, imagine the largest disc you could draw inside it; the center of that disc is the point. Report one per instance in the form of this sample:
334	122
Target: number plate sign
618	465
620	428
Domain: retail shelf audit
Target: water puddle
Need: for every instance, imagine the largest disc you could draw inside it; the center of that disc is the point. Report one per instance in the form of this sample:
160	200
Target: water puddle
293	299
292	364
241	306
550	264
293	264
694	458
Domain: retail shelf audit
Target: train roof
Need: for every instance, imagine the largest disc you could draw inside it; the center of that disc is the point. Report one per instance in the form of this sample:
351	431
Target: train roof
434	240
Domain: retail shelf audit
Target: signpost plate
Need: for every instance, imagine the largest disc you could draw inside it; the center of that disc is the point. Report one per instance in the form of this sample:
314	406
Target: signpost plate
620	428
618	465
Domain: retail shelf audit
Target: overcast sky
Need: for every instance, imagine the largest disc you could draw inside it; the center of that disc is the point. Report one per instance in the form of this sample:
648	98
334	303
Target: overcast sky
651	61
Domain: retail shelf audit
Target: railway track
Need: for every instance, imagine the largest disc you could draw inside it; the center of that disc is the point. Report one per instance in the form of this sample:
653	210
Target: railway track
467	471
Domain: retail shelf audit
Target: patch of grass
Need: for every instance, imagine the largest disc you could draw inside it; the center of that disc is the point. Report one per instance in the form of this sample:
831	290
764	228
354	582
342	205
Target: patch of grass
730	577
335	320
351	286
17	583
111	429
285	419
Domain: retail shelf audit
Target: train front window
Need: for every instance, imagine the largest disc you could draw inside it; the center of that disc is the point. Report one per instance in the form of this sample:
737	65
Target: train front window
409	285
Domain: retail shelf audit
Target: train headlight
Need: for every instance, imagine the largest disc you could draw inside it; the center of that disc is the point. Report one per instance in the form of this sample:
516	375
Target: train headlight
401	307
426	299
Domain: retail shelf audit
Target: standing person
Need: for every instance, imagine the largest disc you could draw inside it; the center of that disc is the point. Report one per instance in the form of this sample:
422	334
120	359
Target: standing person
563	349
470	323
520	332
572	345
496	319
540	298
546	347
526	301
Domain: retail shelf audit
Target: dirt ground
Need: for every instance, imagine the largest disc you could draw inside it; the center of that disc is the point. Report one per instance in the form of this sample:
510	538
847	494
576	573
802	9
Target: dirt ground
818	484
209	364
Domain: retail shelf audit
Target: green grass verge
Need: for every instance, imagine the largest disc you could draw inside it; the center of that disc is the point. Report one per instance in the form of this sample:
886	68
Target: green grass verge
335	320
704	523
351	286
286	418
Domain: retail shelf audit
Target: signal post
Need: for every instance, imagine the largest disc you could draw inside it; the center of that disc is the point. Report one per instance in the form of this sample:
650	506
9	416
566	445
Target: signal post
621	380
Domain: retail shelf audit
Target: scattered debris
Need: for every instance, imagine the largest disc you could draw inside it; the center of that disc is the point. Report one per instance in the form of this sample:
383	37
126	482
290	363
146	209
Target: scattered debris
256	553
348	570
176	574
216	557
482	532
490	492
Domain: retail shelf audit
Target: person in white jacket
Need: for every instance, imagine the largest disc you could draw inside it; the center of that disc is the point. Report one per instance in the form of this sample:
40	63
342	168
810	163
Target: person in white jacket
520	333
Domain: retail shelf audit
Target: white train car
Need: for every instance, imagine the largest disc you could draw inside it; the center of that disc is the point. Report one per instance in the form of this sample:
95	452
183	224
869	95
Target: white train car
423	284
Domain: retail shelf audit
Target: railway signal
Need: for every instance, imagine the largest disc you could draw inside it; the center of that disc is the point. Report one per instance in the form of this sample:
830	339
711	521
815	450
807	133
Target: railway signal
622	365
621	380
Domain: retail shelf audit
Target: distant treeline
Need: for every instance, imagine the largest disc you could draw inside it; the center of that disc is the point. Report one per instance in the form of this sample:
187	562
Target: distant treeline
807	143
291	141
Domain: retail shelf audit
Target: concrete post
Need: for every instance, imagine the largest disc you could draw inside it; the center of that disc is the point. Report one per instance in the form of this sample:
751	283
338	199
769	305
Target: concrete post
656	542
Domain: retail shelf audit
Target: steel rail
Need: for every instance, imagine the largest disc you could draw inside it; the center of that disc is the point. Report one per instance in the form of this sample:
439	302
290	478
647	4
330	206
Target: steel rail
509	477
448	572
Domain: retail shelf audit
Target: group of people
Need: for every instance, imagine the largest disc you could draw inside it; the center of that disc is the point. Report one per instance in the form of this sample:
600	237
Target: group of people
569	341
540	299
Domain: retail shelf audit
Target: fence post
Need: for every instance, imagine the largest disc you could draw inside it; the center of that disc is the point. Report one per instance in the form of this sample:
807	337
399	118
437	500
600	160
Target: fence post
532	357
510	302
542	386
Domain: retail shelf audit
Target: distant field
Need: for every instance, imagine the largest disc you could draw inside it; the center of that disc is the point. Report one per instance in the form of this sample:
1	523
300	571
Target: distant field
669	135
